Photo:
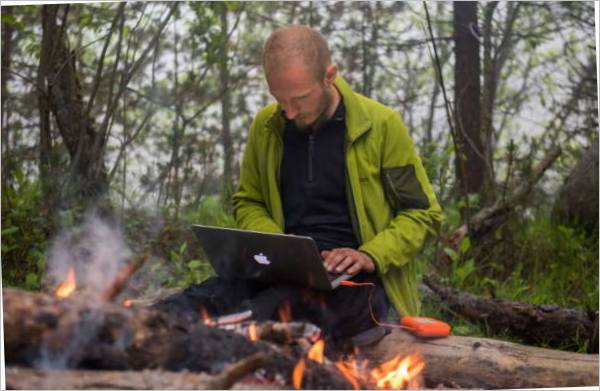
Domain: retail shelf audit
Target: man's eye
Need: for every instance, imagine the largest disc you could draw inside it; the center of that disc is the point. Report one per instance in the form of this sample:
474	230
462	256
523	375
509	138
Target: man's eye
299	98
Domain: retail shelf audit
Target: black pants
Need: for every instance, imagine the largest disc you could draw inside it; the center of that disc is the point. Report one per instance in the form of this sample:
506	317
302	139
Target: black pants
340	313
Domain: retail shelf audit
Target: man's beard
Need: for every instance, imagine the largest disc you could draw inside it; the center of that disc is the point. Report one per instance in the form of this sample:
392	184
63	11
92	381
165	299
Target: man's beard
321	118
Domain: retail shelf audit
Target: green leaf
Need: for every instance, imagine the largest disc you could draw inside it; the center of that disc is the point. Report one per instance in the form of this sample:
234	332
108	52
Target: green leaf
86	20
232	5
183	247
465	245
31	280
195	264
451	253
8	18
10	231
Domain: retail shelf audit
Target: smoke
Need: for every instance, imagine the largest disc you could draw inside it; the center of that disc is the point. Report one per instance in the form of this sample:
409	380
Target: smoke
95	249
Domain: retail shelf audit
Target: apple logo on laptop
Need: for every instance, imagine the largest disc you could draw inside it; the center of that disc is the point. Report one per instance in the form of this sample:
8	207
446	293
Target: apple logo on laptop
262	259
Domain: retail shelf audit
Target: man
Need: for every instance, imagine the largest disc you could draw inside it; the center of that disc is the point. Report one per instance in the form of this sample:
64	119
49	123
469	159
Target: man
362	194
328	163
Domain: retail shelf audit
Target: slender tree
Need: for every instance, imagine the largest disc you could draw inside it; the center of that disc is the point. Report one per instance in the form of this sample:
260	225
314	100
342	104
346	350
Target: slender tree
470	158
224	79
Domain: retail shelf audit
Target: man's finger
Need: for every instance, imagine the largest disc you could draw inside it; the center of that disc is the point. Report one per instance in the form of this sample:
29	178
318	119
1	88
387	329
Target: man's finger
333	259
356	267
347	262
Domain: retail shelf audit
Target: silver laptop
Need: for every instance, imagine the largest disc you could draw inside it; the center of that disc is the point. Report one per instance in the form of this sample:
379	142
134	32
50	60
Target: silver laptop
241	254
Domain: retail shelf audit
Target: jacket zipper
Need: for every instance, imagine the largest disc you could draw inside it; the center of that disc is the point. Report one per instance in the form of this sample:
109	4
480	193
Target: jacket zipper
311	151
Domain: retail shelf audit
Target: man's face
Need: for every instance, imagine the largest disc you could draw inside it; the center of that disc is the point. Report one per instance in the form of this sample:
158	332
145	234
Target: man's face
304	99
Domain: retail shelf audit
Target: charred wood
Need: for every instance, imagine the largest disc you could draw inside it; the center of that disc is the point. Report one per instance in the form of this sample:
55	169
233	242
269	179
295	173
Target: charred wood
470	362
42	331
550	325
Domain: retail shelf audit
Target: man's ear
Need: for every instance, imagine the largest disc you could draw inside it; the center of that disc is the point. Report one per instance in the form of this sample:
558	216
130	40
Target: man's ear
330	74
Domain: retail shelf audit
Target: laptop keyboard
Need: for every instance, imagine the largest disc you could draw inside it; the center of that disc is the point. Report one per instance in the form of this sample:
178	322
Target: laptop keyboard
333	276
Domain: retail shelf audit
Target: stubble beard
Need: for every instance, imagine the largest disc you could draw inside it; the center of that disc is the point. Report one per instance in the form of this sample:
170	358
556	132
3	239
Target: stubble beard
321	118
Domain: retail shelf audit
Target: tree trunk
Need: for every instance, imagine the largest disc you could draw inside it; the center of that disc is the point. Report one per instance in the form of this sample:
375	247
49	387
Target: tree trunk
577	202
470	161
7	44
469	362
537	324
226	139
488	96
87	178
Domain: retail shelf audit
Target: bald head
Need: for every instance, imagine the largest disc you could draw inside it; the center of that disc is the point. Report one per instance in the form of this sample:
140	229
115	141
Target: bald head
296	44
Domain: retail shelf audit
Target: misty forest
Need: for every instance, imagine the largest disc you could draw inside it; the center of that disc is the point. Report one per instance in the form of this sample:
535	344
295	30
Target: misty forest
124	123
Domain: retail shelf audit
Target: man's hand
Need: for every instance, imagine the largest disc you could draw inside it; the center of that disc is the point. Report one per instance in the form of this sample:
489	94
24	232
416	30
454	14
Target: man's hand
347	260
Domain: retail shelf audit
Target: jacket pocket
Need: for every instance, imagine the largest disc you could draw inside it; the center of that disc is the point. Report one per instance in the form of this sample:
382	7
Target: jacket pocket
402	188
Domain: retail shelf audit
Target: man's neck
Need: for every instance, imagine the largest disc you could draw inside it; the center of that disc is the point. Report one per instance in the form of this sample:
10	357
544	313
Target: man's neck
335	101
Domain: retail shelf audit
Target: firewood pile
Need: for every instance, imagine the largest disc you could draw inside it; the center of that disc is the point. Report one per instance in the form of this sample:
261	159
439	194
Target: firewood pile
77	340
48	335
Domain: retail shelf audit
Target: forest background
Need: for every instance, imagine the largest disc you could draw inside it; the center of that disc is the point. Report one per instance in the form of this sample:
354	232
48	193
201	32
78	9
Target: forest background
124	123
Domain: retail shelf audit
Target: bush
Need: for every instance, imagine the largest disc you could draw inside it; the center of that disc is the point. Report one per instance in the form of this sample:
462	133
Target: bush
24	236
184	262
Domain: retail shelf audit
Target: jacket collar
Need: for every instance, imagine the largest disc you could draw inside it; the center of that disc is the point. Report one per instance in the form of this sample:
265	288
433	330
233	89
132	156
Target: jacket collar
357	120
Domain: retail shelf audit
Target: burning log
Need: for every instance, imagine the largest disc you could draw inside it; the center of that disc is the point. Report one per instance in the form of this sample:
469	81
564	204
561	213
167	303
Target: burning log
469	362
42	331
547	324
123	277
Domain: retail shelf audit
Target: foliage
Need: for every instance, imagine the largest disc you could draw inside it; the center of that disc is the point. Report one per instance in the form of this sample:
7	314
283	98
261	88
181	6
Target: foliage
210	211
186	270
184	262
530	259
556	264
24	235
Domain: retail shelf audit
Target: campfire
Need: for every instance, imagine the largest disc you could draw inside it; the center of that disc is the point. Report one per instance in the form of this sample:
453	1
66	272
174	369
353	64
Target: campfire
68	286
397	373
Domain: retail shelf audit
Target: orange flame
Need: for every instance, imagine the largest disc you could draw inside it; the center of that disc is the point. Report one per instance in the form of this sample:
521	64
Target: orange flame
399	373
252	332
127	302
298	374
316	351
205	317
67	287
350	371
285	312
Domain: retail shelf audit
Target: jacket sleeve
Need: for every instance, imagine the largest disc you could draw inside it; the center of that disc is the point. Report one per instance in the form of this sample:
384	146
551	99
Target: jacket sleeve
417	213
249	207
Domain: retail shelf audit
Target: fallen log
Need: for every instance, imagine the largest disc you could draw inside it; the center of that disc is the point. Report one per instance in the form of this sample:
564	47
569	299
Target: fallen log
536	324
42	331
469	362
24	378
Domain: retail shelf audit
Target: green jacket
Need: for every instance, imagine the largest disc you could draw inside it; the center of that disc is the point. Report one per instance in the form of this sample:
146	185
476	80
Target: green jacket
392	204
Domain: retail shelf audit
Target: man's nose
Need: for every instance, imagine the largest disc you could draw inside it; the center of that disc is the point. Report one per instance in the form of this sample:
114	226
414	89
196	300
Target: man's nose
290	112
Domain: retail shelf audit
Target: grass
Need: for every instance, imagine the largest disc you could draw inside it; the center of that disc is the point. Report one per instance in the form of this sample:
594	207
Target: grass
529	259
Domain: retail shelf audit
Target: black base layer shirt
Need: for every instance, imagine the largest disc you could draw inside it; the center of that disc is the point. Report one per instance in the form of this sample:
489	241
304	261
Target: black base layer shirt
313	183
